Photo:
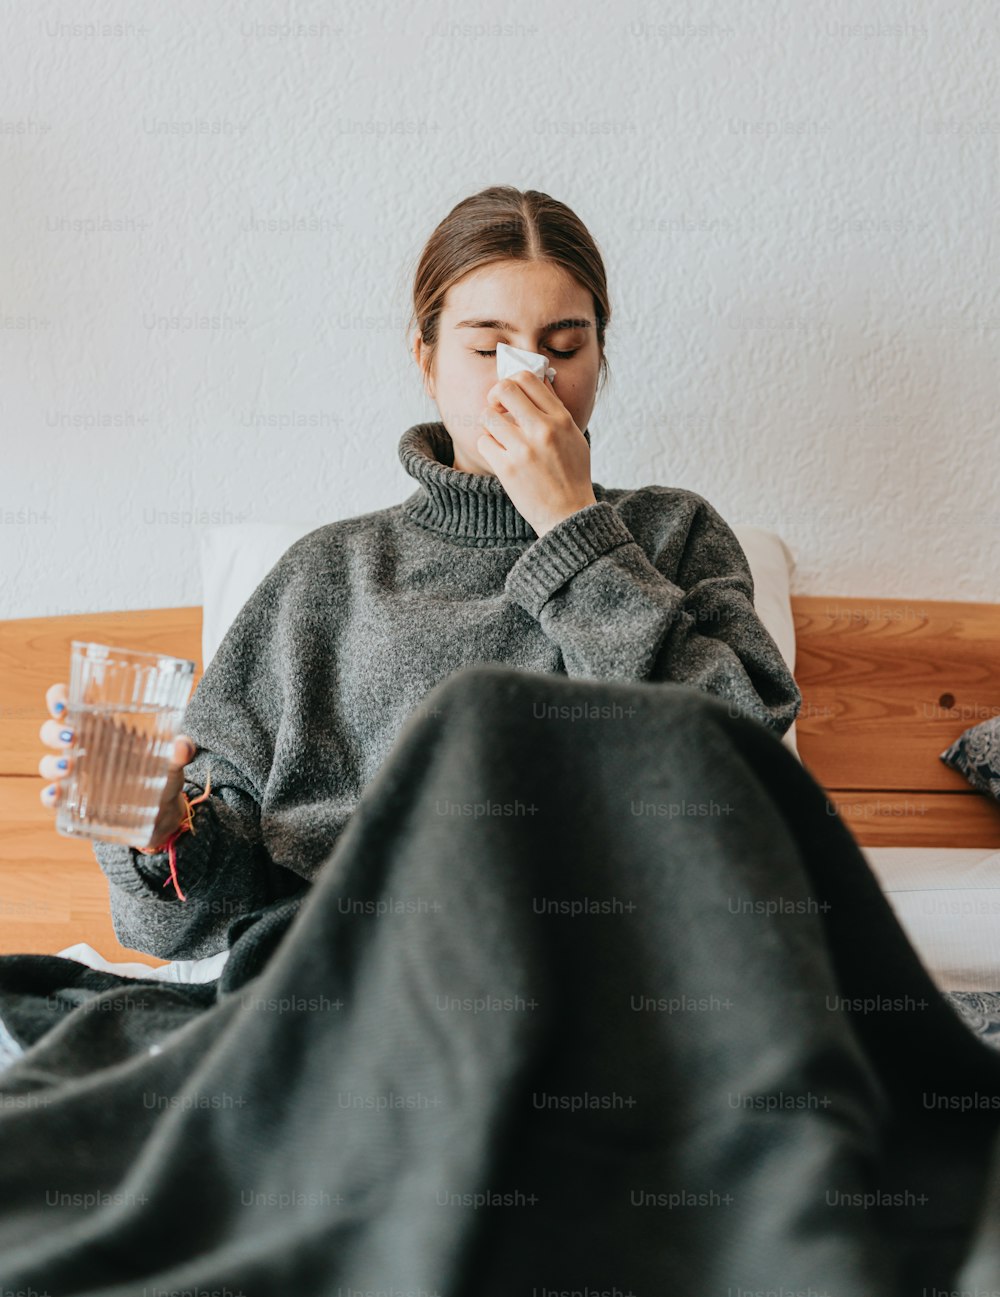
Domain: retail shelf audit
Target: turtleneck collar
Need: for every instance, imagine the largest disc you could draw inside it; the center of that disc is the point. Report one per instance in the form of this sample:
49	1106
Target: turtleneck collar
470	506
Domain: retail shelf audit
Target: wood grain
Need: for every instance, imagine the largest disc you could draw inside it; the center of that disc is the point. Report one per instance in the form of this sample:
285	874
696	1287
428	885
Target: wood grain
52	891
914	819
35	653
888	684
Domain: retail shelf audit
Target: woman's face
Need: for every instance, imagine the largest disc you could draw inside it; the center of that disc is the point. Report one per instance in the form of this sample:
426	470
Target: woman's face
516	302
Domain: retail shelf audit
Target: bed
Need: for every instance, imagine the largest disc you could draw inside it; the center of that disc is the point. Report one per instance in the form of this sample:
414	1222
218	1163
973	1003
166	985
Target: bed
887	685
245	1067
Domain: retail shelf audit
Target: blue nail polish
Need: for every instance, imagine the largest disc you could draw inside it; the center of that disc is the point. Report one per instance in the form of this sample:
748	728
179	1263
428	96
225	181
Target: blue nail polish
50	791
60	708
66	735
62	763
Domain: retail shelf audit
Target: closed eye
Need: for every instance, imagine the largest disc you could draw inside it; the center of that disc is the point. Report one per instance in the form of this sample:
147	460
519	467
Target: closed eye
563	355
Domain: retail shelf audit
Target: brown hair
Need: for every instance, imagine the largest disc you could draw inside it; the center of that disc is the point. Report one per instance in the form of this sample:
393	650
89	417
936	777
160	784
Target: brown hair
506	224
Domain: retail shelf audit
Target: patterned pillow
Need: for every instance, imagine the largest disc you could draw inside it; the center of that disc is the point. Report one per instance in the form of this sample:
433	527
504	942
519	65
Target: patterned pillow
976	754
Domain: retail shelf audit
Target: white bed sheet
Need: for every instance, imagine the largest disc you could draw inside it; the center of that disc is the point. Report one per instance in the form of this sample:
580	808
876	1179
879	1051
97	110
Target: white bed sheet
176	970
947	900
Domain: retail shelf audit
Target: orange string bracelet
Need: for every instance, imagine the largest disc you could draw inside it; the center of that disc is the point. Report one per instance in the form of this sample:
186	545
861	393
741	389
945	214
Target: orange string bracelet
186	826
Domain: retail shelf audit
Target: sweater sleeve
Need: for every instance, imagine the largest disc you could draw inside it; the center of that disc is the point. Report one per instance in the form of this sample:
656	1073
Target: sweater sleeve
223	870
223	867
616	612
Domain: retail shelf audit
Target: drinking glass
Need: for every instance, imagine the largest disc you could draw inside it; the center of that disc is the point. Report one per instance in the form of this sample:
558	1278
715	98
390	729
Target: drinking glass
124	708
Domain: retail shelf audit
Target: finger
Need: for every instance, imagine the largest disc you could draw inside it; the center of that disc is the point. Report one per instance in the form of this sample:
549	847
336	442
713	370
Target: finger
486	445
524	394
57	700
500	426
493	451
56	735
183	753
54	767
49	795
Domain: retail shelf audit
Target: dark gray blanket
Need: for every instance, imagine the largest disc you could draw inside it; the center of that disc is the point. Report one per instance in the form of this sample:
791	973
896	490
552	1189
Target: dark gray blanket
602	1000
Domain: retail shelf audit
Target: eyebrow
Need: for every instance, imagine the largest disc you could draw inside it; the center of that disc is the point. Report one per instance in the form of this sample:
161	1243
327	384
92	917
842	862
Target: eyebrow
552	327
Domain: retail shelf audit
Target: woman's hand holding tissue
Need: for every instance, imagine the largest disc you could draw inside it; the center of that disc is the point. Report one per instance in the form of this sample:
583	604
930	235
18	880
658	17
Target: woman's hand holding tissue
540	456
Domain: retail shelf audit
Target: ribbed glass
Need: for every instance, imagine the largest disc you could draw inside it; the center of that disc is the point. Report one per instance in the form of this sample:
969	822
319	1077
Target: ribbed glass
124	708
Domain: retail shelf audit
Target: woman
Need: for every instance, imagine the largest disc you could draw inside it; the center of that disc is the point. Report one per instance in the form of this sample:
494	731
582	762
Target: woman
511	1026
505	553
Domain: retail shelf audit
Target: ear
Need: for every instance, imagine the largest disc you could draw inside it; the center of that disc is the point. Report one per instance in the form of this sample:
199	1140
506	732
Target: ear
419	356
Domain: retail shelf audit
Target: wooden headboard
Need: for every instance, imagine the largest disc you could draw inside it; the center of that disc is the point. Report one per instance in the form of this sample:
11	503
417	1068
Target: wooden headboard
886	686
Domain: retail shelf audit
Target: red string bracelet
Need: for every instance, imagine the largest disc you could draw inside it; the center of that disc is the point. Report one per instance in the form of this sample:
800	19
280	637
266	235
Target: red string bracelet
186	825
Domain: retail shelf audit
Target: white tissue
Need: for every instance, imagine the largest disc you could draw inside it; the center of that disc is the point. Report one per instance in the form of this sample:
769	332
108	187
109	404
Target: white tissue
512	359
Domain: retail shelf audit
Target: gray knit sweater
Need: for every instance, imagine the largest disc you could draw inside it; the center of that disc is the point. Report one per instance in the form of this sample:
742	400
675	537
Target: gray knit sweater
360	618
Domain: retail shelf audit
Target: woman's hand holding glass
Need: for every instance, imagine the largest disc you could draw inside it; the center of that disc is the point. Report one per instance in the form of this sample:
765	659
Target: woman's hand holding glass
56	734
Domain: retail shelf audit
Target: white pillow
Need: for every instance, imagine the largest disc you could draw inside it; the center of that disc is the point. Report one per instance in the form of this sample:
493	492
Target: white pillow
235	559
947	900
771	566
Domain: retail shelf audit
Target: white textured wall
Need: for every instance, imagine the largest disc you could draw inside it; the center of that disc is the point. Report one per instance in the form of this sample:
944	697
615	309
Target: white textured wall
798	206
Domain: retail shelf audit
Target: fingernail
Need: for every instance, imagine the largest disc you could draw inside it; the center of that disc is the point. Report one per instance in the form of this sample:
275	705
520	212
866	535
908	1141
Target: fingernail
66	735
62	763
60	708
50	791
